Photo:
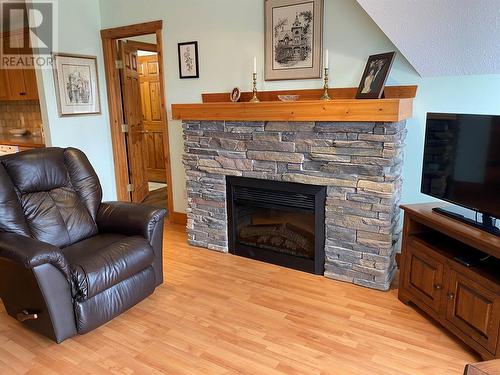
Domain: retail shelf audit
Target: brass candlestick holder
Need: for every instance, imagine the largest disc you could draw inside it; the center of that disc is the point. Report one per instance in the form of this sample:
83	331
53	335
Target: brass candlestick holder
325	87
254	89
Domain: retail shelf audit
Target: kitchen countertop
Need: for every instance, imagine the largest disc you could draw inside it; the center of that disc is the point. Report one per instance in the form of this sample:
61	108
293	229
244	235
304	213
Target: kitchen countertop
33	141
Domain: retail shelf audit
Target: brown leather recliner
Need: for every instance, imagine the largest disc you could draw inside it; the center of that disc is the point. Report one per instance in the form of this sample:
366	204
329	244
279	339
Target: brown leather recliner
69	263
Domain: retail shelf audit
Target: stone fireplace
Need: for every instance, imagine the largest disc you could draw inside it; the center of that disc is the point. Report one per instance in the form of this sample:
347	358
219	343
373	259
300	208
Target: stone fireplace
359	163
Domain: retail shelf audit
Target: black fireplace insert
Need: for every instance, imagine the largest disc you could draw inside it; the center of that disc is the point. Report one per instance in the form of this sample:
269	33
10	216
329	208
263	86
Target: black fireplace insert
277	222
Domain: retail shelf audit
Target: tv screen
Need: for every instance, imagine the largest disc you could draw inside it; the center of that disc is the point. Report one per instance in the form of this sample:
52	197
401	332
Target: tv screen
462	161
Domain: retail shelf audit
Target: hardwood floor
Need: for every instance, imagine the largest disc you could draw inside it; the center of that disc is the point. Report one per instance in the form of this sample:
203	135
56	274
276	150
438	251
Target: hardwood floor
221	314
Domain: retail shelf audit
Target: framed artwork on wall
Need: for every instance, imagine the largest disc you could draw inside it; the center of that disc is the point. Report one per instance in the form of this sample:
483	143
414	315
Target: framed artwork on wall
77	84
374	76
293	39
188	60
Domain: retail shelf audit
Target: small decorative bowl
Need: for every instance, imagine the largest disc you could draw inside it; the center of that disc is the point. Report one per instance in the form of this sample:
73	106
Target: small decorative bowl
18	132
288	98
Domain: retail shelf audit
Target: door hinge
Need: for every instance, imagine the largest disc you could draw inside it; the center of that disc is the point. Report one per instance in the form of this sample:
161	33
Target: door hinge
130	187
119	64
124	128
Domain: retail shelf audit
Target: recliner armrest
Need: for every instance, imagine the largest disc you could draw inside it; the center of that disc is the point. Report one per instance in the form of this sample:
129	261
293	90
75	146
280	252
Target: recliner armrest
32	253
129	218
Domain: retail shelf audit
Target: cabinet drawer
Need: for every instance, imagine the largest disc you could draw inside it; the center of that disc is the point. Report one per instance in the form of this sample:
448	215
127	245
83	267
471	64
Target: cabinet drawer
424	275
474	310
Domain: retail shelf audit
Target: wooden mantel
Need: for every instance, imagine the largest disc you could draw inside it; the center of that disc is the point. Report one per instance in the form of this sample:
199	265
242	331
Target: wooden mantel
397	106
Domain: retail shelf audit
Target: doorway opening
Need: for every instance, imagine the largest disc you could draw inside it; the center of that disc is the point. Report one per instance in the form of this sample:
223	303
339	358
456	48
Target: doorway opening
133	58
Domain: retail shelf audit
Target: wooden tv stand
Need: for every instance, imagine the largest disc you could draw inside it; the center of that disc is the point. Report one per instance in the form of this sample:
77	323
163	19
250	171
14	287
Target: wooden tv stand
464	300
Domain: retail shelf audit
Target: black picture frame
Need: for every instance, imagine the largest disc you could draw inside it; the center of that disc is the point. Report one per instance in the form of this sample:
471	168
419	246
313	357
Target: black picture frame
182	63
374	88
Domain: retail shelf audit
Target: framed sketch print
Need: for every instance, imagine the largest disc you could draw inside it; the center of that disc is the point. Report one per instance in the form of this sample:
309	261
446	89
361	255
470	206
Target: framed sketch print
374	76
77	84
293	39
188	60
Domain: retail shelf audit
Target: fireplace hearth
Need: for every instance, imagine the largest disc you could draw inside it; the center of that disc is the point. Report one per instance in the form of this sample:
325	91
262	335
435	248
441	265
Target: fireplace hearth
277	222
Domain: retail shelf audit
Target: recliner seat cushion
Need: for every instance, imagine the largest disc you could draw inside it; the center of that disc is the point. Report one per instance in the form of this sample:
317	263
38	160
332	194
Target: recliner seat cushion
95	311
105	260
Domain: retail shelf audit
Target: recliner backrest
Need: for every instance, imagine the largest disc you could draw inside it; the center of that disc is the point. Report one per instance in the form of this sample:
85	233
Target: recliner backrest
57	193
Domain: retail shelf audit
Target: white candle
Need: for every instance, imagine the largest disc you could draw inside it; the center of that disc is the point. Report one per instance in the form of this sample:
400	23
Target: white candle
326	59
254	65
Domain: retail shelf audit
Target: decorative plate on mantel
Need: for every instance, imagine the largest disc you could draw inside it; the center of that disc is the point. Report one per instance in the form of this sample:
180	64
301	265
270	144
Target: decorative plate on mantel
288	98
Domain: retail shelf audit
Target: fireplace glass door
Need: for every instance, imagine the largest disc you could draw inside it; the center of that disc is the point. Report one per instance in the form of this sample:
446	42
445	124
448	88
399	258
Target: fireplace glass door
282	230
277	222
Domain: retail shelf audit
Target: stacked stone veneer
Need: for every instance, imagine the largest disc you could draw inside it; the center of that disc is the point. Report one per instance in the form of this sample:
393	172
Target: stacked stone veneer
360	163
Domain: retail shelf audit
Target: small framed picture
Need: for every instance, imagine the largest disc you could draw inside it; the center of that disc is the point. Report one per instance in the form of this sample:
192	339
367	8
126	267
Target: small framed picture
376	72
235	94
77	84
188	60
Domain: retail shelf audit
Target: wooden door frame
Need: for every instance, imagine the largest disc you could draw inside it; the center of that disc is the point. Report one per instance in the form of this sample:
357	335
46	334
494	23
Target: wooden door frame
109	37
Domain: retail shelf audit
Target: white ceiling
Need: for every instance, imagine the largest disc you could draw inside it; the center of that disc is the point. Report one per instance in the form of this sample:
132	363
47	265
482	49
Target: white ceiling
442	37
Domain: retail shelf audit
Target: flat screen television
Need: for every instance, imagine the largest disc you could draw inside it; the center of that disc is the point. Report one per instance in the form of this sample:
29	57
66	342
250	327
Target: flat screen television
462	166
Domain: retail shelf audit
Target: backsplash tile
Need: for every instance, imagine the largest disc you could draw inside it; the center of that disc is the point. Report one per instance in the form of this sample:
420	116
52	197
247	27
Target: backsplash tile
21	114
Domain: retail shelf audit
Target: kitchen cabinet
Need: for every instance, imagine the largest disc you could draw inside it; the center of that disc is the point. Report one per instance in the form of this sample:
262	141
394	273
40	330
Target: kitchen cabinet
18	84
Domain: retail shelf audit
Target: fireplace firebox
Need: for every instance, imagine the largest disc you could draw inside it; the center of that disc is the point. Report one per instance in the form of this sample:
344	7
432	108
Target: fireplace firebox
277	222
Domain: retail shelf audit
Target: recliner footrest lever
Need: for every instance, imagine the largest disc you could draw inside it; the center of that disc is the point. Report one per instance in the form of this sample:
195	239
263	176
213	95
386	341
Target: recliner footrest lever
25	315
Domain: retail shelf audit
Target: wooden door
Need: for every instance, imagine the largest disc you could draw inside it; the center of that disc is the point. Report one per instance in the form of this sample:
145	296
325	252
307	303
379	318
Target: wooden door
136	145
424	275
153	117
4	85
474	310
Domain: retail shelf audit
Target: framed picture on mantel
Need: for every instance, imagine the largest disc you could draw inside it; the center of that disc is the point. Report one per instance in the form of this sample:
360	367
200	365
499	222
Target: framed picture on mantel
293	39
375	75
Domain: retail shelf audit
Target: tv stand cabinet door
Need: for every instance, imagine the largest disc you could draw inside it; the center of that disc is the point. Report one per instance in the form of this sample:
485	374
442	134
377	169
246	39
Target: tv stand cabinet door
474	310
423	278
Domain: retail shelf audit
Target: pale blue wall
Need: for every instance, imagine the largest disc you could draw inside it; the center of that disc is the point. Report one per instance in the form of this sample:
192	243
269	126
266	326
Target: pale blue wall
230	33
465	94
78	32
